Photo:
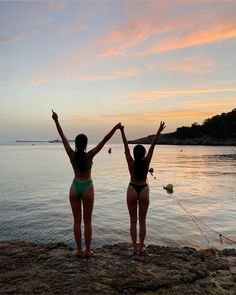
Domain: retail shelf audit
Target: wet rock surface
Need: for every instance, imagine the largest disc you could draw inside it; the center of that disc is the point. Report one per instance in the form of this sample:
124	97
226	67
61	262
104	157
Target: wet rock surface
27	268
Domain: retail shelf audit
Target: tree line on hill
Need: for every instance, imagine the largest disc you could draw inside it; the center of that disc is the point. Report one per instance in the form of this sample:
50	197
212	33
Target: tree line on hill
218	130
220	126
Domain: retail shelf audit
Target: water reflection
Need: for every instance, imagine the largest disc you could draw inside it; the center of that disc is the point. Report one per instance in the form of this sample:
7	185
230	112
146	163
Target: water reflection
34	184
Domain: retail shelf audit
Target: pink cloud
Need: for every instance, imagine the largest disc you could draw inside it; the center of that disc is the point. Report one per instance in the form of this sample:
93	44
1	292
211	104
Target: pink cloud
112	52
215	33
110	76
172	30
76	27
39	81
11	39
132	34
54	5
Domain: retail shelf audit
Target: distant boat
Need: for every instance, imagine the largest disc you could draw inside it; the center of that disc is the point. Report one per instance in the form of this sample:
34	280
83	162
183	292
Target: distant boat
54	141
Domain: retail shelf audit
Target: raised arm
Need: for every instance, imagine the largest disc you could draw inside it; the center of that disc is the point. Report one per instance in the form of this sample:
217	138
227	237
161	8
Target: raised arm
155	138
65	142
128	156
101	144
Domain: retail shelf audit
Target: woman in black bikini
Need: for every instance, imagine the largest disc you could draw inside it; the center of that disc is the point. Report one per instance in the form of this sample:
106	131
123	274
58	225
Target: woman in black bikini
138	189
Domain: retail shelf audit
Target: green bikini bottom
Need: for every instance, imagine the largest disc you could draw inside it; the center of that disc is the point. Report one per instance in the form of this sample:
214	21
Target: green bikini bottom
81	186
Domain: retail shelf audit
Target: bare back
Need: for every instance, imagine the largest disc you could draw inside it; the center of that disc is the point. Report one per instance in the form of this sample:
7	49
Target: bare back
78	174
143	178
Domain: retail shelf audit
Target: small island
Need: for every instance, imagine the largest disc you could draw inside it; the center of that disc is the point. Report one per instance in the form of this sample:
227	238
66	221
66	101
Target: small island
218	130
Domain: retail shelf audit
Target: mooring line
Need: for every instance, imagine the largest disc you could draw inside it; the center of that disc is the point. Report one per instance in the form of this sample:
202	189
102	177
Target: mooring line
194	218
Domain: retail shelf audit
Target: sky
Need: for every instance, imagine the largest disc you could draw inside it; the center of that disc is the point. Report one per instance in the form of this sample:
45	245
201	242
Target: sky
97	63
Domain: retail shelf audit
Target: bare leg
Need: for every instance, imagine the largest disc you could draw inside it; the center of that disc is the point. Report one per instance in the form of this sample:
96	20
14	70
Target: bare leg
76	210
143	208
88	200
132	206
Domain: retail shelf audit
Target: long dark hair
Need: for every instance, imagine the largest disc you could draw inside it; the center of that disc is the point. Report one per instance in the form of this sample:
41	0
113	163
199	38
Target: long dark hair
140	163
81	142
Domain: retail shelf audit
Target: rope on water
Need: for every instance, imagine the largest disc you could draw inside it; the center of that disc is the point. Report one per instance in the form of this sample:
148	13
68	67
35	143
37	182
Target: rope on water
194	218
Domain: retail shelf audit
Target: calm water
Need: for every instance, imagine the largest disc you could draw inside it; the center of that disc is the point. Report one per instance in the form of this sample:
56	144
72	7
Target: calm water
35	180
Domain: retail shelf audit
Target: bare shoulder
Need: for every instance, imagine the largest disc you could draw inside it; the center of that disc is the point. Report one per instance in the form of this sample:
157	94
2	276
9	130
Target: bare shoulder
90	155
72	155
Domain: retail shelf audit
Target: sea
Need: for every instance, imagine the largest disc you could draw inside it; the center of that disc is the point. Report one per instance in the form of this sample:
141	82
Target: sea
200	213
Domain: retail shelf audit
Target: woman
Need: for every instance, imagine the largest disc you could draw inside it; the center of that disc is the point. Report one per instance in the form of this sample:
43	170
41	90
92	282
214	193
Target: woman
81	190
138	189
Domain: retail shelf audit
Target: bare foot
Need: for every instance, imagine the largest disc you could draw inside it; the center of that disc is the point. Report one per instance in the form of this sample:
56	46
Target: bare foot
79	253
142	248
89	254
135	249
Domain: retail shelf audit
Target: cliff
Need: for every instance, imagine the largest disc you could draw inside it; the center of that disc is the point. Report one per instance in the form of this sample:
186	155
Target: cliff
173	139
218	130
27	268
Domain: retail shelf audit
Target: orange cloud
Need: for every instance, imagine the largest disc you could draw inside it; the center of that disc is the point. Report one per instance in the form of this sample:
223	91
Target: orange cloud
135	32
122	74
202	25
112	52
144	96
218	32
191	64
110	76
150	117
39	81
206	104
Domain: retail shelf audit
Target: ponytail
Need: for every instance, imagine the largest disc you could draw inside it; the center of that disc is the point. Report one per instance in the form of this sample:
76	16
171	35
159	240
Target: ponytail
81	141
140	163
140	169
80	158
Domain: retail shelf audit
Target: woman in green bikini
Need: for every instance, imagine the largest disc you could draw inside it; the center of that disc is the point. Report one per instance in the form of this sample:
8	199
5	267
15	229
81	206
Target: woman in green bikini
81	190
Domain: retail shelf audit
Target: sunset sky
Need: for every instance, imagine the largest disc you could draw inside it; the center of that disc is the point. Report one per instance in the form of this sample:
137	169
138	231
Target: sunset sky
100	62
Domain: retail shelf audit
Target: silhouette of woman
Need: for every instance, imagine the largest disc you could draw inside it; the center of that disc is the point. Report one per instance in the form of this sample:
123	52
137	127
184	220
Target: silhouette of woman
82	190
138	189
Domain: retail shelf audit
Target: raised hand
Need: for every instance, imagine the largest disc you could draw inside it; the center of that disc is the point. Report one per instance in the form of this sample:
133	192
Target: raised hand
162	126
118	126
54	115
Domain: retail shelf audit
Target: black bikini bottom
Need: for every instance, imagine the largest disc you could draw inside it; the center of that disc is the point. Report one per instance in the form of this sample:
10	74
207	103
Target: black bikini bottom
138	187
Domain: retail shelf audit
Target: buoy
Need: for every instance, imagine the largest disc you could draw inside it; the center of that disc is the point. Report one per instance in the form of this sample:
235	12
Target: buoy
169	188
151	170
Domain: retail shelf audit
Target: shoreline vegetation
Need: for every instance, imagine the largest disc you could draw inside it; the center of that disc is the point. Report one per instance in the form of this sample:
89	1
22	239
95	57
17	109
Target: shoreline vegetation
29	268
219	130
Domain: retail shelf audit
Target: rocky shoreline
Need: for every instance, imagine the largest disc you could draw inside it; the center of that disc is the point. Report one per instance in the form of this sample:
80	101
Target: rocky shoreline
28	268
171	139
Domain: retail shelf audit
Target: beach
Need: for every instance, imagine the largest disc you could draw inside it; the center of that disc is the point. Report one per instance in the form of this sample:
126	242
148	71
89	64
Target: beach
28	268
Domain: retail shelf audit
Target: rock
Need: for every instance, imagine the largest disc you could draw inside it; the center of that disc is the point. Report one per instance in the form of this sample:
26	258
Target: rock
27	268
